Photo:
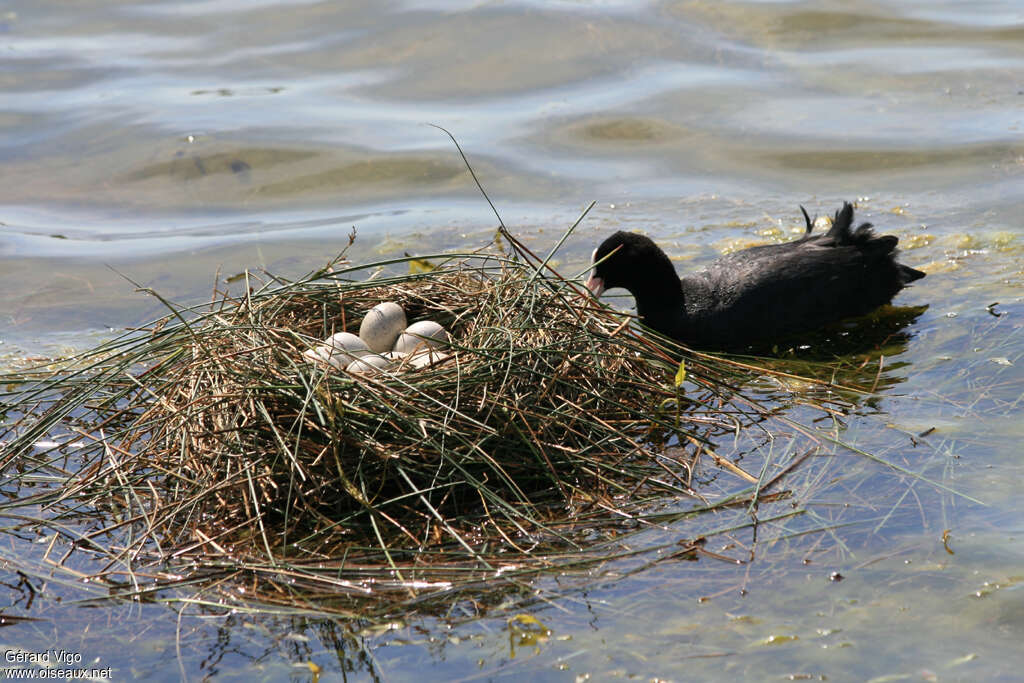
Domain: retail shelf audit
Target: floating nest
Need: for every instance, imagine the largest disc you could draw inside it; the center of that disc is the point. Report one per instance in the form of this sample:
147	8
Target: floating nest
207	445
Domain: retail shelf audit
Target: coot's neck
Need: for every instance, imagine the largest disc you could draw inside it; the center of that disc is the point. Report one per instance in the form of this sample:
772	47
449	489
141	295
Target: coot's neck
660	300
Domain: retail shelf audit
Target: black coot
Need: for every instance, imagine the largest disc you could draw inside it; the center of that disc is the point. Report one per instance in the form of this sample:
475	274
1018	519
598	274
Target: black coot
761	294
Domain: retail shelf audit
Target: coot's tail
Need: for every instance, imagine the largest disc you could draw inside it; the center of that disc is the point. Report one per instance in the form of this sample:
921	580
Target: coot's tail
842	233
863	238
908	274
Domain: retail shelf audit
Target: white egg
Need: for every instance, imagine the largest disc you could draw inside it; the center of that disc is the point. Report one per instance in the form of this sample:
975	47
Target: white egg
422	335
370	364
381	326
322	355
337	351
423	359
313	355
347	345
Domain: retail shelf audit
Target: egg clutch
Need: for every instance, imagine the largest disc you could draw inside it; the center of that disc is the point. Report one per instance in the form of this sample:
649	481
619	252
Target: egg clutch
384	343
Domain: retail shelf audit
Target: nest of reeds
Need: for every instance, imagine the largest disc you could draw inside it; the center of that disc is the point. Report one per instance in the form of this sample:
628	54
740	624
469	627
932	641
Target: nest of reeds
544	404
211	446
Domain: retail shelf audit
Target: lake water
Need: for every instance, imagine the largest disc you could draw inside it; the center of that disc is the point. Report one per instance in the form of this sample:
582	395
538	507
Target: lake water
163	142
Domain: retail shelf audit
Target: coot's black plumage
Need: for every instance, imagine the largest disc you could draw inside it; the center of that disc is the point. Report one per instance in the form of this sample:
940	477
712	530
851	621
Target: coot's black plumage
759	294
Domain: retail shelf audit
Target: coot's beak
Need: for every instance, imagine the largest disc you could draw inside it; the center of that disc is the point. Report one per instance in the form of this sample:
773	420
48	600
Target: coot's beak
594	283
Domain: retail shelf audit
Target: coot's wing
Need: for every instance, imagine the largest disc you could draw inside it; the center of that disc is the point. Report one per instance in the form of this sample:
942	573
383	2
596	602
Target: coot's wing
777	290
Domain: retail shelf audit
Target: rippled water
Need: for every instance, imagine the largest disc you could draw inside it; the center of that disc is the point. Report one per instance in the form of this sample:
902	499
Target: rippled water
163	141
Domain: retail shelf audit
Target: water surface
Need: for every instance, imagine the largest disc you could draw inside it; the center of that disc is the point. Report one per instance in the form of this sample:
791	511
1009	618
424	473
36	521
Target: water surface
159	143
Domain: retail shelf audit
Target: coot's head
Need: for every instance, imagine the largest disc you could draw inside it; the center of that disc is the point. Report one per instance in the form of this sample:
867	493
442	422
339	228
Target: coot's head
633	262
